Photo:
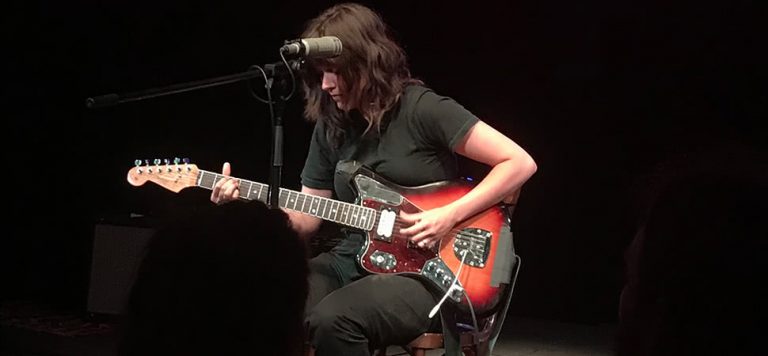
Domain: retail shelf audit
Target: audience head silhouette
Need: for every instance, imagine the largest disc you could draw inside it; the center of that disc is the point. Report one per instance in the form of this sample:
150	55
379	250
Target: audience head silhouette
696	268
223	280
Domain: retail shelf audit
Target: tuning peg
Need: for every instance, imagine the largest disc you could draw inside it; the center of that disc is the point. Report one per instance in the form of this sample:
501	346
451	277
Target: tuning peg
176	160
157	161
186	163
138	165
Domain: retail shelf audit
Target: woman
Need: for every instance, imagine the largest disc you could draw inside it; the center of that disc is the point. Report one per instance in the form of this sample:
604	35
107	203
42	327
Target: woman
367	107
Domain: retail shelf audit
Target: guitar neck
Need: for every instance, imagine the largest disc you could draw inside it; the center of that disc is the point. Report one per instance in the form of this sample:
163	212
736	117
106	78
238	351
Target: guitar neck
327	209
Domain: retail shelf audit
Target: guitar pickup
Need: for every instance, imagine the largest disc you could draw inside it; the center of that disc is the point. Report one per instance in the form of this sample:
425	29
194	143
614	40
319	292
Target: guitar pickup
386	225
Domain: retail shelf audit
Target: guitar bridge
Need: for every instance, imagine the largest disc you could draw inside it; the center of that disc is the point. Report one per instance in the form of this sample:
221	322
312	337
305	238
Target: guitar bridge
477	243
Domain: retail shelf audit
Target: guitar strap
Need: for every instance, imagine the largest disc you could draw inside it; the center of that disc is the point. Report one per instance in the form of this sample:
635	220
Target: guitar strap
347	169
343	179
504	263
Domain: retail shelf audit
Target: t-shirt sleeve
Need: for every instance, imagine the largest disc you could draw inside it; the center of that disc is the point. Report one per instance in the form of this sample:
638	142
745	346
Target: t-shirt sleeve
441	121
319	167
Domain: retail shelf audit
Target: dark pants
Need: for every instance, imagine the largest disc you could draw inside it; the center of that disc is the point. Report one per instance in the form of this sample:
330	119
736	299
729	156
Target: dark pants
350	312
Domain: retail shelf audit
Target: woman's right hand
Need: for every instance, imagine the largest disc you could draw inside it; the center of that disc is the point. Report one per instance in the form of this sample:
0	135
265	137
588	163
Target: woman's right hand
226	189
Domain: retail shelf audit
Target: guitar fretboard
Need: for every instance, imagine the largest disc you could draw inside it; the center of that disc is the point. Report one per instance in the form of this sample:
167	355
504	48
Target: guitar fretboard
327	209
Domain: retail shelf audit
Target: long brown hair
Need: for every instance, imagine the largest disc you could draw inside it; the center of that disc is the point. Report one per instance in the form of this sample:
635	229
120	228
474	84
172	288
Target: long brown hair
372	65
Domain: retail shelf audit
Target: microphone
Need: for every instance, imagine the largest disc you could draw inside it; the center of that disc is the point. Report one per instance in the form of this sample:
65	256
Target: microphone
321	47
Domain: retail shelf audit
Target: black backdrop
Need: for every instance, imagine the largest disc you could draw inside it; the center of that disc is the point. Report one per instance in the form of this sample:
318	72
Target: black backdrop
597	91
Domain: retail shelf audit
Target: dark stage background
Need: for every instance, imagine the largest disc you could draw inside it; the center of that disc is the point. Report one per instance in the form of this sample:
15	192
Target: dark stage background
599	92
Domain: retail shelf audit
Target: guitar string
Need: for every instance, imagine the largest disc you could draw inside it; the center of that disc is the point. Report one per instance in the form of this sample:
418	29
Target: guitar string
399	222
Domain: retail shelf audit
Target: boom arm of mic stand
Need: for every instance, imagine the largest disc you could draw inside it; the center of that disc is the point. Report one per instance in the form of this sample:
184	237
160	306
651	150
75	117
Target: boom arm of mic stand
114	99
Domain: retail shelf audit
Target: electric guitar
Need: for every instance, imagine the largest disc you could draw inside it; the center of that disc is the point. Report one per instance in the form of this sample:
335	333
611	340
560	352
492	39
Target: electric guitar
469	250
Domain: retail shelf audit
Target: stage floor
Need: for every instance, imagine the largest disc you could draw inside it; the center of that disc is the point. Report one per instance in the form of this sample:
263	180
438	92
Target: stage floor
528	336
30	330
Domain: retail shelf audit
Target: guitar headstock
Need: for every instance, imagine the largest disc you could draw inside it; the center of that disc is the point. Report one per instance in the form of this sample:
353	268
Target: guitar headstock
172	176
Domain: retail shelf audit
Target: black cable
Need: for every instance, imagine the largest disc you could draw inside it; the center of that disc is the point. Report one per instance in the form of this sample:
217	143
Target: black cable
269	99
250	88
270	103
290	72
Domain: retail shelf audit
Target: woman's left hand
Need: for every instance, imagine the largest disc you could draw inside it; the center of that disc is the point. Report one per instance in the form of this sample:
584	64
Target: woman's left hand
426	228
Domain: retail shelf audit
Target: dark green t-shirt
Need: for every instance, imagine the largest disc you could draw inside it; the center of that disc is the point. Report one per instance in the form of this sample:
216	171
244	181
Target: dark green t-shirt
415	146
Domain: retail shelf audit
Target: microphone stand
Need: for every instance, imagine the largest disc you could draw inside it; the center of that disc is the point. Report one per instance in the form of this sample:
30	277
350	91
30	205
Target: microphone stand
275	74
276	108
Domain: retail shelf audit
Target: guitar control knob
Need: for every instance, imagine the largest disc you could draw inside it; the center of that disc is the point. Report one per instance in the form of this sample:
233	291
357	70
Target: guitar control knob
384	260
